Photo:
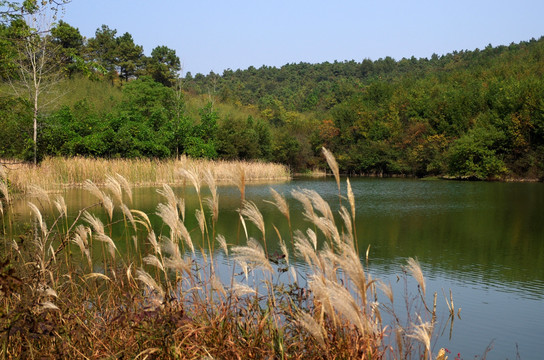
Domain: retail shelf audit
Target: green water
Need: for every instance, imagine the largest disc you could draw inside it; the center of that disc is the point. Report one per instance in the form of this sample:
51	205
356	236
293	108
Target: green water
484	241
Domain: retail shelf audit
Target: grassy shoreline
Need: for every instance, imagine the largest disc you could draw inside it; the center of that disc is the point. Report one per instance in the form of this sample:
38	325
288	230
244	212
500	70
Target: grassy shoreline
54	173
69	293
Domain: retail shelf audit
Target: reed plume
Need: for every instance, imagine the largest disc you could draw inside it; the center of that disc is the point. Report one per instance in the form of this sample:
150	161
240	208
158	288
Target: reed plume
422	333
125	185
38	215
4	191
148	281
415	269
240	289
307	322
169	195
60	204
223	243
39	193
115	187
333	165
253	214
252	254
280	203
193	176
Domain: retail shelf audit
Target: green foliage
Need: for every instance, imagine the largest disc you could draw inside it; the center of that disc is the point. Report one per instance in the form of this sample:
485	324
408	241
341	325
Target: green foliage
16	125
163	65
474	155
470	114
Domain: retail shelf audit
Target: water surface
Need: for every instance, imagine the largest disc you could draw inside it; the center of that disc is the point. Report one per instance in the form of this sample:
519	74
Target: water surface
484	241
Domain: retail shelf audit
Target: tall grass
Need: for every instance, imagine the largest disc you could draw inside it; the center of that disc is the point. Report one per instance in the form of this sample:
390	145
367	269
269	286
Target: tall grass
172	300
53	173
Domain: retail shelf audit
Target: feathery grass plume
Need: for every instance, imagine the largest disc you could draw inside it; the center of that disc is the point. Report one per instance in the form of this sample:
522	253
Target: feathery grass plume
347	224
293	273
243	222
153	261
174	260
308	323
181	207
351	198
152	238
308	213
169	195
48	305
106	239
252	254
349	261
422	333
238	178
283	248
253	214
94	221
76	239
128	215
97	276
148	281
83	233
169	214
209	179
38	215
5	191
142	219
240	289
319	204
328	228
39	193
113	185
306	249
223	243
52	253
46	291
280	203
107	203
3	174
60	204
193	176
200	218
213	206
333	165
342	301
126	186
14	245
387	290
415	269
91	187
217	285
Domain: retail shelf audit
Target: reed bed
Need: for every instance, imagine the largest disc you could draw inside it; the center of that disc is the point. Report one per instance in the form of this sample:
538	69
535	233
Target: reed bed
66	291
56	172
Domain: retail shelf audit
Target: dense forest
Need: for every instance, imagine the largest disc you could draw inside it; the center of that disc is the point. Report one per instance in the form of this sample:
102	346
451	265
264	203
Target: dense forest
475	114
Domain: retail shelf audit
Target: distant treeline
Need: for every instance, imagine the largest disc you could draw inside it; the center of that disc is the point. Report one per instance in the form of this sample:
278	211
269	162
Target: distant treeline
469	114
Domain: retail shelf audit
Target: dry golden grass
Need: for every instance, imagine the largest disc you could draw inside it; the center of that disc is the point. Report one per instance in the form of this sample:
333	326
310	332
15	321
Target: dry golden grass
53	173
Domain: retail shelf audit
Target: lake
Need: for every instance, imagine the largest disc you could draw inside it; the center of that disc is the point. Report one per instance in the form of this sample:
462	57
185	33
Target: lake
484	241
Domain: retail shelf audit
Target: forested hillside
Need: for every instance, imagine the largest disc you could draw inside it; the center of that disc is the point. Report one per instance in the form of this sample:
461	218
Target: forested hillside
469	114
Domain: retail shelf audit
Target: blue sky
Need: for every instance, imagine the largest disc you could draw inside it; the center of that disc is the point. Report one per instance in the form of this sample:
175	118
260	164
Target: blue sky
213	35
